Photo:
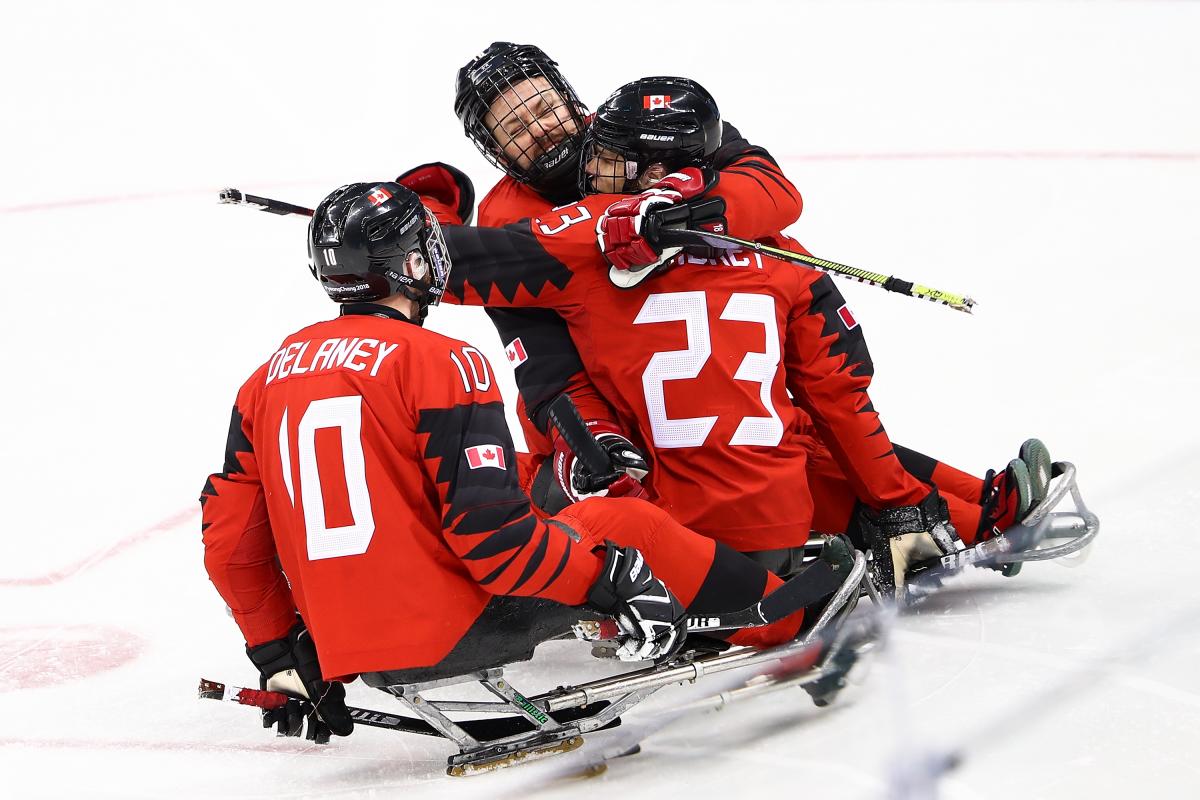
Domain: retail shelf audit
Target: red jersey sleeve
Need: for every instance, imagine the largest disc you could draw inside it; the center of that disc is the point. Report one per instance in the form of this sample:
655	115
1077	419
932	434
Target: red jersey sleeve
239	548
509	202
828	372
545	363
545	360
551	261
760	201
486	519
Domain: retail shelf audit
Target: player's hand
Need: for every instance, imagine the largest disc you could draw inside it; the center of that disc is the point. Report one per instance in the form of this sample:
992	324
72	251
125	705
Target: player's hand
290	666
649	616
628	466
445	190
907	543
619	231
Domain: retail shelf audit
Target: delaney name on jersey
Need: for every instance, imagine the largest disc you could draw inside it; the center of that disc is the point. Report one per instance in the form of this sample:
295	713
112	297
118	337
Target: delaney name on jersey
357	354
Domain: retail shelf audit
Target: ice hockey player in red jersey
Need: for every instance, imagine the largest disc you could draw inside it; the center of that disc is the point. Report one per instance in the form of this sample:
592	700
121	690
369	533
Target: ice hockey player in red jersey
368	517
525	117
701	364
629	147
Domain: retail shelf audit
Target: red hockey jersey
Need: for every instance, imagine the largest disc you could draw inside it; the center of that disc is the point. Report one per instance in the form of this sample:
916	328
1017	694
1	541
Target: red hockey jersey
761	201
699	362
373	458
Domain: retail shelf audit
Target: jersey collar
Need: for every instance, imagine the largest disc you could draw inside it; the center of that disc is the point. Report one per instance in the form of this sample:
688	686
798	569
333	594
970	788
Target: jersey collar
374	310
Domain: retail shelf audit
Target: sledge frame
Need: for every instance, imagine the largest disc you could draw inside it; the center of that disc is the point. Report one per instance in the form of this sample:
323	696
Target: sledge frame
553	726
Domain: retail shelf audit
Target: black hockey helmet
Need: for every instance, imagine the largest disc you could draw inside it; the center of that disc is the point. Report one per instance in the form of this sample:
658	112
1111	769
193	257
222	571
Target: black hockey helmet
368	241
522	114
670	121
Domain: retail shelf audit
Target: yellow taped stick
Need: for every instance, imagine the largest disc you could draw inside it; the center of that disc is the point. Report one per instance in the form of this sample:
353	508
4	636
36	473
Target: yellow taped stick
888	282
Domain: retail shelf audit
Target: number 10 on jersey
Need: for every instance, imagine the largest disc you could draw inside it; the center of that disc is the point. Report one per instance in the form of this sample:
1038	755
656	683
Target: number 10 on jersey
345	415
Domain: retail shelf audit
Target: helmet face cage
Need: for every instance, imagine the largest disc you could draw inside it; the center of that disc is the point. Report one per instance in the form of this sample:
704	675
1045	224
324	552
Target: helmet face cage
368	241
669	121
608	167
522	114
437	257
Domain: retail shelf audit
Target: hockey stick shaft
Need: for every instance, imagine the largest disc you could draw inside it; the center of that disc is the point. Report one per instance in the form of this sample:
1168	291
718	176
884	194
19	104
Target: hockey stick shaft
671	236
818	580
570	425
238	197
259	698
683	237
267	701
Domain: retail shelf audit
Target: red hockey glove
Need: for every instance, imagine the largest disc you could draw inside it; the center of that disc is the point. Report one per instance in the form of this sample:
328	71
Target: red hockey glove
619	230
445	190
623	480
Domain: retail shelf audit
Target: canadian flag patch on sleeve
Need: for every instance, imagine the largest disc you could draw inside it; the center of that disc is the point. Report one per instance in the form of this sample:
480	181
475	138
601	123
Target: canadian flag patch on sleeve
485	455
516	352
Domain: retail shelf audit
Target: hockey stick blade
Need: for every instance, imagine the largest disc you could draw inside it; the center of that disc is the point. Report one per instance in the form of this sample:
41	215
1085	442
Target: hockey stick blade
240	198
575	433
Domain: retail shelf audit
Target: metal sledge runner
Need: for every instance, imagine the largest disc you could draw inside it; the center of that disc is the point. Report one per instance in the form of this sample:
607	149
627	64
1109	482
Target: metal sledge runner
524	727
1044	534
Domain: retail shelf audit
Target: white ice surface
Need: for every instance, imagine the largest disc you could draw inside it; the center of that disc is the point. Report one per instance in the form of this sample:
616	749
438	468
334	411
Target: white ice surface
1043	158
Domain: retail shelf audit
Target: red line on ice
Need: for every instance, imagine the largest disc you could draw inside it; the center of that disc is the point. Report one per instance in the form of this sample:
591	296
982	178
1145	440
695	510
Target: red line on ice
991	155
171	522
91	201
133	197
964	155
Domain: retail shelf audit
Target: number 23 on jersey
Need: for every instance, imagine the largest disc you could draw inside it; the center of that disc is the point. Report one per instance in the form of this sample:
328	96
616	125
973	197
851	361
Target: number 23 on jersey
691	308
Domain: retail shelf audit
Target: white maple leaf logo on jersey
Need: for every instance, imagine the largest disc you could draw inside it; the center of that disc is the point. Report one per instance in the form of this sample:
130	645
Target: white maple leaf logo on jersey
656	101
485	455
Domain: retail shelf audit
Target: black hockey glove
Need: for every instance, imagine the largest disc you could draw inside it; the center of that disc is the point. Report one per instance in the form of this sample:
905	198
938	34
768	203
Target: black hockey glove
676	226
904	542
649	616
626	460
289	666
